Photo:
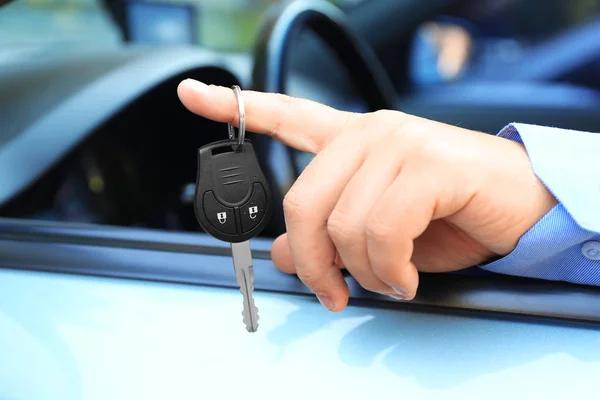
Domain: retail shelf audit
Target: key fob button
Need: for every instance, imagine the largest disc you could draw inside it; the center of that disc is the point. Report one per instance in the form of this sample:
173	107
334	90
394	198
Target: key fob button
253	211
232	201
220	217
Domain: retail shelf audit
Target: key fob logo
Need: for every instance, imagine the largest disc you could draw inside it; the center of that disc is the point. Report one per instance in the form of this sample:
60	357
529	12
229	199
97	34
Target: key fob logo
253	211
222	217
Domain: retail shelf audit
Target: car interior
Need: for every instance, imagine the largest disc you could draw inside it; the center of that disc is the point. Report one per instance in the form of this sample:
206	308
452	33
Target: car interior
98	157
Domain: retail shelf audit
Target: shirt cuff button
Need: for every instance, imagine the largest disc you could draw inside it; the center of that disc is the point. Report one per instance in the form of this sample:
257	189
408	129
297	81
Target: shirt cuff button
591	250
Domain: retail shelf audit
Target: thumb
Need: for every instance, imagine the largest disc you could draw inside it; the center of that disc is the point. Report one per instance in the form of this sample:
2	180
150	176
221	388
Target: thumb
281	255
303	124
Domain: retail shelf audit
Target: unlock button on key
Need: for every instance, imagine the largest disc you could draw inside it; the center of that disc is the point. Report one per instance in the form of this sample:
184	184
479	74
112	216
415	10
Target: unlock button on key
221	217
253	211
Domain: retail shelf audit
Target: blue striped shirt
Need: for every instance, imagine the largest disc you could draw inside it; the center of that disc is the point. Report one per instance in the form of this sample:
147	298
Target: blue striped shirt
555	248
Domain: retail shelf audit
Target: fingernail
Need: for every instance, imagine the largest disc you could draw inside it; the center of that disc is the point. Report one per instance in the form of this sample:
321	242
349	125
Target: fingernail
400	292
195	85
326	301
397	297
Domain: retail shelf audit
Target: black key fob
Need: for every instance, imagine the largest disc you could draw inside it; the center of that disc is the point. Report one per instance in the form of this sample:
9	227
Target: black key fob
232	200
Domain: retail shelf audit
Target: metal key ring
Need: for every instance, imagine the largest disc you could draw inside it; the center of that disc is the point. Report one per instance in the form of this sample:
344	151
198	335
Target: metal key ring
242	117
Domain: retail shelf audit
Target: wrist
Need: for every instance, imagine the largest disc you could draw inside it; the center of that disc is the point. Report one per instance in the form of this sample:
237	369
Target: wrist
520	191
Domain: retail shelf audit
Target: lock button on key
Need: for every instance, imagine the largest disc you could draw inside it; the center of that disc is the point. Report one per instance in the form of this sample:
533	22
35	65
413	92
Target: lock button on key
219	216
253	211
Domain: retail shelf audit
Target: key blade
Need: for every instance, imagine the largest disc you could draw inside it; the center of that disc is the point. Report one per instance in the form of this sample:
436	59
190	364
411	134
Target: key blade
250	312
244	275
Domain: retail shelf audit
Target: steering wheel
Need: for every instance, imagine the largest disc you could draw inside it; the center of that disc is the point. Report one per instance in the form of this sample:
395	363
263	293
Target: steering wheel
282	27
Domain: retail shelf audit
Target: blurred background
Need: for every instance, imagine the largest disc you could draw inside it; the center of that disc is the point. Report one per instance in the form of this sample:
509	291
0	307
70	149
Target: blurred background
480	64
229	25
474	36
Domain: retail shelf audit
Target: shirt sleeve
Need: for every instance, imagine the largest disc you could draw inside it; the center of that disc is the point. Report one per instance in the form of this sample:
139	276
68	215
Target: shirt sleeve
564	245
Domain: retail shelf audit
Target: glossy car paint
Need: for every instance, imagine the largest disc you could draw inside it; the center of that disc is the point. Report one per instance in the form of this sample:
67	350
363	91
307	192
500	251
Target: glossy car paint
73	337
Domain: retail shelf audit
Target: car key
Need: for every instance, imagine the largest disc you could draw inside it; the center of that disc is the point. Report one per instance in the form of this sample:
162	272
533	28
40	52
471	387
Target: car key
232	202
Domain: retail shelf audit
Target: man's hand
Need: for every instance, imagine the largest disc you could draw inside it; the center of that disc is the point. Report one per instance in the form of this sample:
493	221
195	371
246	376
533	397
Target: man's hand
387	194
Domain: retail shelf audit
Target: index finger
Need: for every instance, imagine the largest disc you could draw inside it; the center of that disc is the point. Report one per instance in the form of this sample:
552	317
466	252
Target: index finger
303	124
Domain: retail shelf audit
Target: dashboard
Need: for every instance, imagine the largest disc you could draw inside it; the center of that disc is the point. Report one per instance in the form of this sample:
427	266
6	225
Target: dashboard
104	145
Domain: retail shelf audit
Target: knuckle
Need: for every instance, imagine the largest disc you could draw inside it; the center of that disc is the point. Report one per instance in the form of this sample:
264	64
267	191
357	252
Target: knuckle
342	228
284	99
409	132
294	206
285	102
351	124
378	229
385	117
392	128
385	114
370	120
405	139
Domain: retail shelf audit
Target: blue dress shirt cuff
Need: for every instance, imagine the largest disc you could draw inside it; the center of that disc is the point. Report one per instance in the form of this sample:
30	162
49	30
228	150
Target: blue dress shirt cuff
565	244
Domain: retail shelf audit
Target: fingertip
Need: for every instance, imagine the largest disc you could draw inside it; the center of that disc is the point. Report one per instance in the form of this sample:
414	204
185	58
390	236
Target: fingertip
190	91
342	301
192	85
333	304
406	282
404	295
332	290
334	298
